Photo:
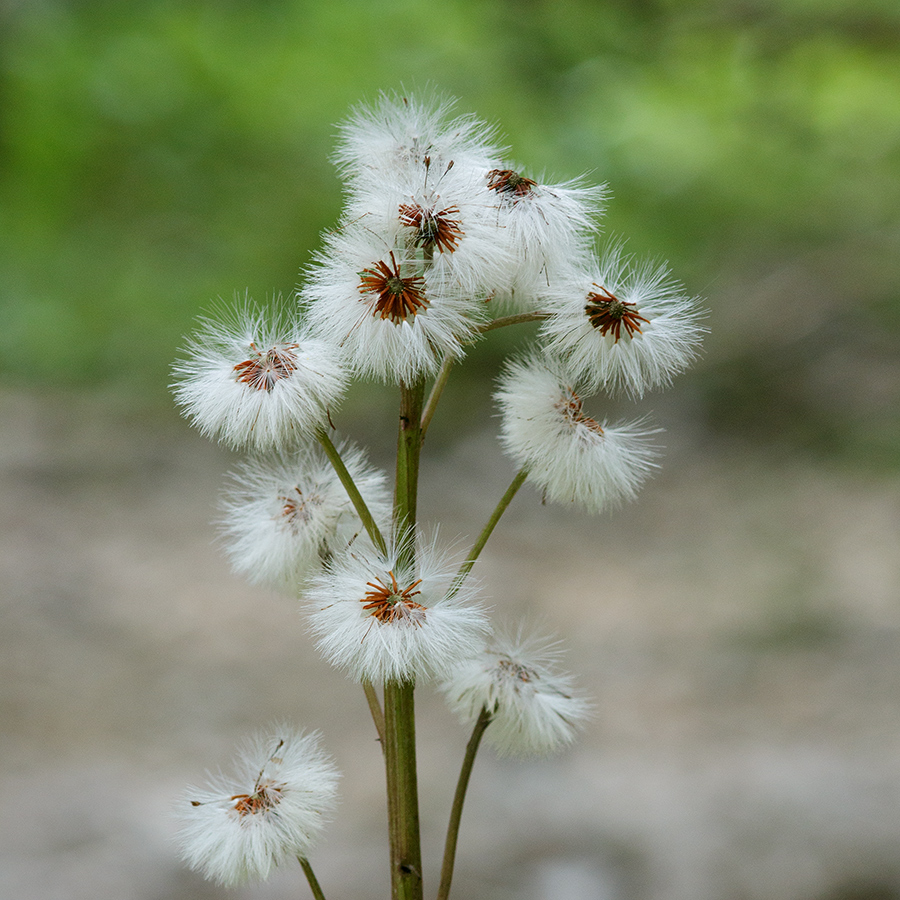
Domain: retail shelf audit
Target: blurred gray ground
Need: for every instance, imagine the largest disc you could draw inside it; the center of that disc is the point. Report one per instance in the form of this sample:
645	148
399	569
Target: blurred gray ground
738	628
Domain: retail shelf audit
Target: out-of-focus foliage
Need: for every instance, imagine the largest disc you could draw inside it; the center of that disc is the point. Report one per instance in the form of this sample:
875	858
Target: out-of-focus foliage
157	155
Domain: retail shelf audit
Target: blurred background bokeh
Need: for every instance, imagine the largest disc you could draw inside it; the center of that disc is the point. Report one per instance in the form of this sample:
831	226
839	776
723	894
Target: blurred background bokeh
739	626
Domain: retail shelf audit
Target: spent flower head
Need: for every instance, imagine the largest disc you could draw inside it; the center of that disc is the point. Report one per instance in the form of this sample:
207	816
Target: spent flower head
568	454
623	326
393	319
285	515
258	379
545	228
383	618
399	138
237	829
516	680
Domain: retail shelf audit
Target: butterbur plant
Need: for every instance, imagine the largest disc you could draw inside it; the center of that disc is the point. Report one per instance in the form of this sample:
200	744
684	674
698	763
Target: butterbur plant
442	241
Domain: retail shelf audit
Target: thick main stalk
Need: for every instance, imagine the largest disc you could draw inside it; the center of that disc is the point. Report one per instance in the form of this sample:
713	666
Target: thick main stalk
399	703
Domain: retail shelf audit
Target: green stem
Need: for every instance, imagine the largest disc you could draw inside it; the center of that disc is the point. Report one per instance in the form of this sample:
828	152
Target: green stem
375	709
311	878
399	702
352	490
518	319
475	552
409	445
484	719
402	790
436	390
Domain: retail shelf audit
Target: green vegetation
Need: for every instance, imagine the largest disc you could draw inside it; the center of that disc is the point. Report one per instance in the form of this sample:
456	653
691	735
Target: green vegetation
155	156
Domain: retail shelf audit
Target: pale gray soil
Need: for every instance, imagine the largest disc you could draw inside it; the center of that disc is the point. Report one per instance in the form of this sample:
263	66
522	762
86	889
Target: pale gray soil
738	628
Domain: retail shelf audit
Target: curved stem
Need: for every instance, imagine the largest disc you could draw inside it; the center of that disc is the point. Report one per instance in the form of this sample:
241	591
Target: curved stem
375	709
484	719
475	552
314	885
352	490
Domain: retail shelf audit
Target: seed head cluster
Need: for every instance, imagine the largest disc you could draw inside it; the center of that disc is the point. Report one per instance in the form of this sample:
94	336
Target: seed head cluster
442	239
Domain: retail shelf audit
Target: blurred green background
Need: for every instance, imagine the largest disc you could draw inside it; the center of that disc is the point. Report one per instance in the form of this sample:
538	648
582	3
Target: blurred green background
157	155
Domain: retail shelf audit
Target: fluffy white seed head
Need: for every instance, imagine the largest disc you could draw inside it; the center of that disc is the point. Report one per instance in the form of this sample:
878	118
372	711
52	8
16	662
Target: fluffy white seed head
569	455
392	320
258	380
517	680
284	515
398	137
237	829
449	215
625	327
546	228
383	620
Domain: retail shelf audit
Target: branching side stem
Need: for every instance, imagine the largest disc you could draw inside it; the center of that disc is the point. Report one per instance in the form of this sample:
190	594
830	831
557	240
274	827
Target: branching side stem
475	552
484	719
352	490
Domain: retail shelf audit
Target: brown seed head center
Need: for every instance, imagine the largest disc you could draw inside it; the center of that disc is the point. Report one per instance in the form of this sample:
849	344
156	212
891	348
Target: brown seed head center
517	671
607	313
265	796
433	228
506	181
266	368
570	404
388	603
295	507
396	297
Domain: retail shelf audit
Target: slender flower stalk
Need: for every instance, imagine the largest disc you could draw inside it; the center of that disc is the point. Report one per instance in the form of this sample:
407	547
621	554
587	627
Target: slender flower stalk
488	529
375	710
314	885
356	498
462	785
437	389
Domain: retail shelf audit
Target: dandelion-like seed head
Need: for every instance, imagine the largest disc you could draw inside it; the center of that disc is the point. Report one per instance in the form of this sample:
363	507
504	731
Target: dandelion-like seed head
609	315
517	682
507	181
236	830
285	514
621	325
570	456
399	297
383	618
434	228
258	378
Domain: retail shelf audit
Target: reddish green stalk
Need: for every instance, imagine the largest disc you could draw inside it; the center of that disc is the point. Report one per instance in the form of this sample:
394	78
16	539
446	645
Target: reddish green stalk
484	719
